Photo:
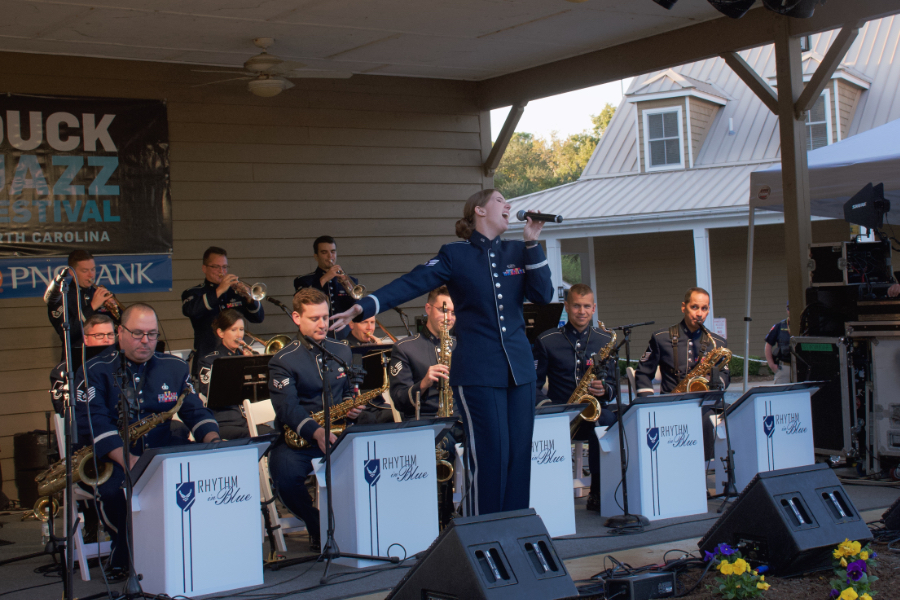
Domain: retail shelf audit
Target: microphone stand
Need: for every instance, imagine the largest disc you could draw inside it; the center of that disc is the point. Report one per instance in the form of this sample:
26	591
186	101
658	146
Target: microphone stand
279	304
727	461
626	339
404	319
330	550
626	519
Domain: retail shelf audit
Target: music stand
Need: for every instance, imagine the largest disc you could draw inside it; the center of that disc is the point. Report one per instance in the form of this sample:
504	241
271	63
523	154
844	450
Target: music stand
539	318
237	378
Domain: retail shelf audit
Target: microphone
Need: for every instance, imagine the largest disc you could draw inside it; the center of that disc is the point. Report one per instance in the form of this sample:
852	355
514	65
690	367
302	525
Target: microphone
522	215
400	310
277	302
54	288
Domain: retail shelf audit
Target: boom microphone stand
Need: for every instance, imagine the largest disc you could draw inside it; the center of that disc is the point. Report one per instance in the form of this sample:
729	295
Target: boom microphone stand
626	339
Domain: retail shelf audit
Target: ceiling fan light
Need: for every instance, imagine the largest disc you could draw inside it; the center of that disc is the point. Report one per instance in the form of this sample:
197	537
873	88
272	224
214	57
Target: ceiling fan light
799	9
732	8
265	88
666	4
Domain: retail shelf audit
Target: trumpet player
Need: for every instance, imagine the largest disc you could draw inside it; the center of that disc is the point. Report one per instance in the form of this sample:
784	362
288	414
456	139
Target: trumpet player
562	356
678	349
219	291
151	382
92	299
329	279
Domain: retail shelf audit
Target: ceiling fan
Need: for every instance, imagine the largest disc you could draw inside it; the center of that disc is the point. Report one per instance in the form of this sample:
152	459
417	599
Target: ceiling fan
267	75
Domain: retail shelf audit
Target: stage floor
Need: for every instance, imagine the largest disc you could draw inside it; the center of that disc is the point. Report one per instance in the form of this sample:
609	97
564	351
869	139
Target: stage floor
584	554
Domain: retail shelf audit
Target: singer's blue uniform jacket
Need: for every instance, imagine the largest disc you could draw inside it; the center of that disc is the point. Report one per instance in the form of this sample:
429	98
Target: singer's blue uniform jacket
488	281
155	386
295	384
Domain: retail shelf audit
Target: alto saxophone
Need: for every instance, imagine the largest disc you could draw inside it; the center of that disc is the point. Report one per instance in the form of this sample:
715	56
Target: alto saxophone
698	378
338	411
581	396
53	480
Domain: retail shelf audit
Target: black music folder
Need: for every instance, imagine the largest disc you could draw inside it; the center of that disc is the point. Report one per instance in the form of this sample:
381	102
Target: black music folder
235	378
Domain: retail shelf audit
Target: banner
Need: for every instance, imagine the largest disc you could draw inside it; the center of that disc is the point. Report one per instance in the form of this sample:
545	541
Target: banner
83	173
29	277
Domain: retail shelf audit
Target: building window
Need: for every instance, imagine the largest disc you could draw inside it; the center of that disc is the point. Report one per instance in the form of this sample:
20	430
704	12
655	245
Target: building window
818	123
663	139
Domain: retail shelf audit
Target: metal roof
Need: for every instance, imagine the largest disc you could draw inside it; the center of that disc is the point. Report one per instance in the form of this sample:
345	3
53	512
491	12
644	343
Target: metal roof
611	184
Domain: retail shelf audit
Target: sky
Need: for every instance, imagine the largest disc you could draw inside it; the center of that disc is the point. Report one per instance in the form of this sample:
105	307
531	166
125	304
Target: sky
566	113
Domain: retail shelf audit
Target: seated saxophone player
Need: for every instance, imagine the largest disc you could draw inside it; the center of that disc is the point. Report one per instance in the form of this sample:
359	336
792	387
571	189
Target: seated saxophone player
92	299
296	387
563	356
329	279
99	333
416	374
678	350
363	334
219	291
151	382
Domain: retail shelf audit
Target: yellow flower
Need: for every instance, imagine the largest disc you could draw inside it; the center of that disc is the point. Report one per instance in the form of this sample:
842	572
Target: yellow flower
838	552
740	566
761	577
864	555
763	586
843	562
737	585
727	568
865	597
849	594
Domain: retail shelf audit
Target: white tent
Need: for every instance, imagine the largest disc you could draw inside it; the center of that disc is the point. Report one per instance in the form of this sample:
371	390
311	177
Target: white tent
836	173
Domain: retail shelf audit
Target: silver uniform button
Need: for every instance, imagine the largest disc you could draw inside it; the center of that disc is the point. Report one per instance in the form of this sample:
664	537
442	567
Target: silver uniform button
499	296
492	255
501	317
495	275
498	285
494	265
500	307
503	329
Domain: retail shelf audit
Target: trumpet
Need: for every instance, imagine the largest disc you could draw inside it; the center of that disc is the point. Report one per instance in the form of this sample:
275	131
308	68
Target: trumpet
272	346
354	291
112	304
258	291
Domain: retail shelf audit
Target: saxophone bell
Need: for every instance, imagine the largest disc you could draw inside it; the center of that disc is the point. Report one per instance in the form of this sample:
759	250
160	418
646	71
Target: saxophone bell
45	508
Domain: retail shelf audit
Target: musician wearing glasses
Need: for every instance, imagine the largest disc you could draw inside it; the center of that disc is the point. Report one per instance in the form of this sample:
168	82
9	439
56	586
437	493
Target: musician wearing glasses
563	355
91	298
219	291
99	333
296	387
229	329
151	383
678	350
329	279
492	371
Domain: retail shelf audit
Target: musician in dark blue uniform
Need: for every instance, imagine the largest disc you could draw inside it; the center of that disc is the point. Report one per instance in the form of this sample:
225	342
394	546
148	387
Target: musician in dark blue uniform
91	297
151	382
563	355
99	332
219	291
327	279
492	373
296	387
677	350
778	350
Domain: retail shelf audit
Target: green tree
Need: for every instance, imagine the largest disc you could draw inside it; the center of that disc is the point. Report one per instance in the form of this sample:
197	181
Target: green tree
601	121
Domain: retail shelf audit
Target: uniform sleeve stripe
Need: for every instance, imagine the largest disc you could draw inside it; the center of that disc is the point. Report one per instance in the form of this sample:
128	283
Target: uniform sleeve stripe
103	436
377	304
302	423
537	266
203	422
642	390
206	302
256	310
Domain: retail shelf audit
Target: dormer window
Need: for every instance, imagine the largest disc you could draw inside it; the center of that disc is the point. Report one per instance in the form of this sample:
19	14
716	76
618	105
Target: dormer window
663	139
818	123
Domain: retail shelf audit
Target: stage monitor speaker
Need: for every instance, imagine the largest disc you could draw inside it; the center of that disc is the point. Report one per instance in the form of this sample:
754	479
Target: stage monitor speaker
501	556
891	516
790	520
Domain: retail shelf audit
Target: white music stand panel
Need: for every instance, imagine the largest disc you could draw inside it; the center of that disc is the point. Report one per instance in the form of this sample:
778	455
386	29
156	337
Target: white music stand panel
666	472
551	472
181	503
769	430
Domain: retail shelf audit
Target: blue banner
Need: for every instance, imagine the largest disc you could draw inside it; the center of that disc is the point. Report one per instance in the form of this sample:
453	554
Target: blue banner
121	274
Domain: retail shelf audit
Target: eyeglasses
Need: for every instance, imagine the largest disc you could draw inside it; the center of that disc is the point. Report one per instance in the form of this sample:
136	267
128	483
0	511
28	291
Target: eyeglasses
217	267
100	336
446	311
138	335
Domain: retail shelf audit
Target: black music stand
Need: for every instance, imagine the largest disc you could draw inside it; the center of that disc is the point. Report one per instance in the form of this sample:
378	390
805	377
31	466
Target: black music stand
234	378
539	318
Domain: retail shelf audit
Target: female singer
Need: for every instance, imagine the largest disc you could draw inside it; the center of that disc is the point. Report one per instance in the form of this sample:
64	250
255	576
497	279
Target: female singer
229	327
492	372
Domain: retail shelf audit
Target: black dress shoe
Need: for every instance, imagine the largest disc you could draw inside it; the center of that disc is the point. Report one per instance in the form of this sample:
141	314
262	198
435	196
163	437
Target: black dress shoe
315	546
116	574
593	502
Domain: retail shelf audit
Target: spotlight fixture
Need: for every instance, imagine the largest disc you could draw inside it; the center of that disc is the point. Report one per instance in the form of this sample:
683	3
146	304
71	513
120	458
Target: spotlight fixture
666	4
732	8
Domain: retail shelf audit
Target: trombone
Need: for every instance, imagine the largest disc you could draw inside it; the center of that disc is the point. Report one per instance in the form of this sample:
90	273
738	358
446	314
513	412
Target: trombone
273	345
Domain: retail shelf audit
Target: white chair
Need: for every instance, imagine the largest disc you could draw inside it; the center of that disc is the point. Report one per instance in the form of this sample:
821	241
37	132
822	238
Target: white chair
629	371
83	551
581	483
260	413
387	398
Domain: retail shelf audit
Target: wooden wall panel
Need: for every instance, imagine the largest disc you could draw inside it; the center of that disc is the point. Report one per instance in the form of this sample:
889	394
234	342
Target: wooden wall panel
384	164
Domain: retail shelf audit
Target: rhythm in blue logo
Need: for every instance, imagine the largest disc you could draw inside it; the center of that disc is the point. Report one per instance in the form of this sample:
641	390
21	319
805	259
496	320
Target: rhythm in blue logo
372	471
653	438
769	425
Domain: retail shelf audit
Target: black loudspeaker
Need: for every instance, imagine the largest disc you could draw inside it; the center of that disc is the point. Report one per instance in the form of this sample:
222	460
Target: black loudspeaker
501	556
891	516
790	520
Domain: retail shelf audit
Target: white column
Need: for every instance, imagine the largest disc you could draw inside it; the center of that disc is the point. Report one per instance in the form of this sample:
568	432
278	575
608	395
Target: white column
702	264
592	270
554	258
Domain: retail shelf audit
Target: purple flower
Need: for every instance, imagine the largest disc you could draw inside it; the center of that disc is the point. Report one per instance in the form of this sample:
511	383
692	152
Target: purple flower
708	556
835	593
855	570
872	555
725	549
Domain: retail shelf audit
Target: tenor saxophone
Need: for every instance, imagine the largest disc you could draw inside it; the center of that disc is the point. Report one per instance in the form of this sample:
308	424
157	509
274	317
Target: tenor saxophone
581	396
698	378
53	480
338	411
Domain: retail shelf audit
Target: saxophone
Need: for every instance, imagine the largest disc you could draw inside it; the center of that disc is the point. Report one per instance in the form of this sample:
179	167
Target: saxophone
338	411
53	480
581	396
445	348
698	378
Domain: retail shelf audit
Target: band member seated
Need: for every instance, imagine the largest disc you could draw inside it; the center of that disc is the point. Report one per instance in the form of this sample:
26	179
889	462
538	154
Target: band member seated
563	355
229	328
363	334
677	350
296	386
90	296
329	279
219	291
99	332
151	382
